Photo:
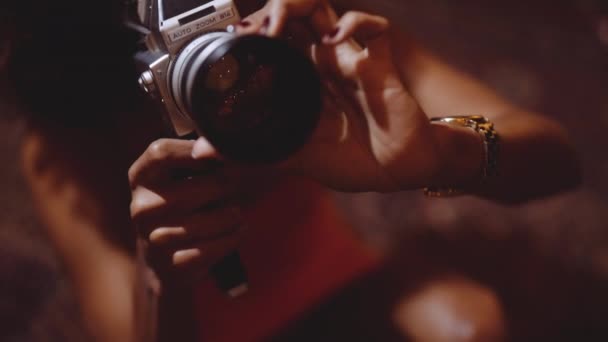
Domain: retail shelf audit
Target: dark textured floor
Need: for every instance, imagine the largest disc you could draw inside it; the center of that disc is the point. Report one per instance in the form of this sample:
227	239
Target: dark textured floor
551	56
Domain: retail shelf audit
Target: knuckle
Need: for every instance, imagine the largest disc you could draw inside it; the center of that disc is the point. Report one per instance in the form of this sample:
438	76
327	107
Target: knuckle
353	16
158	149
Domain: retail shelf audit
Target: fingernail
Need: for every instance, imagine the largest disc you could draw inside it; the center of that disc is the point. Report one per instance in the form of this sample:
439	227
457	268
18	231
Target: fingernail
201	149
331	35
185	255
244	23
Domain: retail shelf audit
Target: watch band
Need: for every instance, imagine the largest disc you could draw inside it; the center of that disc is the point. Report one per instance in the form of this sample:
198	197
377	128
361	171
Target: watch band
490	139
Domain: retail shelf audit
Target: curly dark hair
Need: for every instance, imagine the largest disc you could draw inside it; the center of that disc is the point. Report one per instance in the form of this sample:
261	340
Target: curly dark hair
70	63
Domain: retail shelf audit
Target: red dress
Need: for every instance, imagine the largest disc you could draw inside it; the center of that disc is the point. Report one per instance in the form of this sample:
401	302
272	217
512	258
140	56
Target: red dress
298	251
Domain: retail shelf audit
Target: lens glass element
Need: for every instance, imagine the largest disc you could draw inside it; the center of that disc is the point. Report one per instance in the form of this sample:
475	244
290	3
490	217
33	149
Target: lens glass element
256	99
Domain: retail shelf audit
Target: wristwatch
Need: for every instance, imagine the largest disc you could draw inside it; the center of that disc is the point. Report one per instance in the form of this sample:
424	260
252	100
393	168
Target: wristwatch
489	168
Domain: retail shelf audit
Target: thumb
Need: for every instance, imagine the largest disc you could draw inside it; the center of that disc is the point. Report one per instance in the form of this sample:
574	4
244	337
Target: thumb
367	29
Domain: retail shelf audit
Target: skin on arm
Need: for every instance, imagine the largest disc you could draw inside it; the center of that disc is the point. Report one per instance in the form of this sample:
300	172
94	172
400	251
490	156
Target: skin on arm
536	157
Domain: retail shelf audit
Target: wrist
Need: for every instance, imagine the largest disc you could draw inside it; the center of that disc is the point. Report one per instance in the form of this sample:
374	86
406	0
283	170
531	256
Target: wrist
460	155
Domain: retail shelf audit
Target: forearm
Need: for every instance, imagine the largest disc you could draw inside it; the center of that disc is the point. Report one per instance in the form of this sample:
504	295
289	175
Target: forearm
536	157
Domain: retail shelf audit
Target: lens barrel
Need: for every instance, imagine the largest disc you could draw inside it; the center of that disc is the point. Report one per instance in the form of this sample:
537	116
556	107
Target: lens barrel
256	99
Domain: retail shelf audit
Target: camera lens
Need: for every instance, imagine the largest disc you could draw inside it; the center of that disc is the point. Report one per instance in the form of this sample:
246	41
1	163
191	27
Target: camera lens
255	98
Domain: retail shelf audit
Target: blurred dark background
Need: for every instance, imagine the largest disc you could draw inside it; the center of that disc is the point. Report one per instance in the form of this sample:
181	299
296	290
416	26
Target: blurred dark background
550	56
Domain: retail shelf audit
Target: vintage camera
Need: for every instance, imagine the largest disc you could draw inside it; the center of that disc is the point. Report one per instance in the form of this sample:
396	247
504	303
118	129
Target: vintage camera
256	99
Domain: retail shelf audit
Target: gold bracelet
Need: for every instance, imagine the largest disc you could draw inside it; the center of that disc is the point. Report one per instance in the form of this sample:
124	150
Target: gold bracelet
489	168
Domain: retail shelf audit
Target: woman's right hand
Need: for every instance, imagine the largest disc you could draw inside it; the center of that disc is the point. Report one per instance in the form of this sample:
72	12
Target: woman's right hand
183	207
369	118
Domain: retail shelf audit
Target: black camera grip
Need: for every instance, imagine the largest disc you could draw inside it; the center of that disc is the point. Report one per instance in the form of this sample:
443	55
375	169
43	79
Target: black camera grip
230	275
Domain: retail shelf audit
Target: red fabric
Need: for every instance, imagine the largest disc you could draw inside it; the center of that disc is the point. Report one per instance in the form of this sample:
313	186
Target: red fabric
297	251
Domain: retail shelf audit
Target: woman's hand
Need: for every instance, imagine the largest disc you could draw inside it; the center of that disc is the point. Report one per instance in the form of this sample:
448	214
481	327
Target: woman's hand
372	134
183	206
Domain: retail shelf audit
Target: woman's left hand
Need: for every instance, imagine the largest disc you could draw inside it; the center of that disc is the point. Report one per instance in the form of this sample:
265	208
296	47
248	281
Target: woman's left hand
372	136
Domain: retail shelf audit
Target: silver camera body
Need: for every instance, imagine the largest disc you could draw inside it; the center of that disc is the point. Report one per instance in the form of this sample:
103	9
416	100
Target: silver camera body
179	33
256	99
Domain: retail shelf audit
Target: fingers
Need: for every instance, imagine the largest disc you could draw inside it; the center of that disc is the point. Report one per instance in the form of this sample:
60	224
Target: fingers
276	17
185	219
180	197
371	31
367	29
164	157
205	254
204	225
278	12
193	243
361	51
272	19
363	27
252	24
159	192
193	258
